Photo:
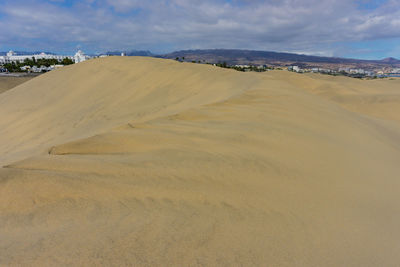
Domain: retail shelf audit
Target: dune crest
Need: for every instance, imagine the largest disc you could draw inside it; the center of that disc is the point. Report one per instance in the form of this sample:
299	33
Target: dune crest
82	100
150	162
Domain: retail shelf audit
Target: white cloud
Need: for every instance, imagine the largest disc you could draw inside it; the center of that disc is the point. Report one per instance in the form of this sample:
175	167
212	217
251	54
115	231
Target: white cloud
286	25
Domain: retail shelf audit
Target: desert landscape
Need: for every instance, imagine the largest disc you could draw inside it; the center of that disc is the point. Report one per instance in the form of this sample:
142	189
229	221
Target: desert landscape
134	161
9	82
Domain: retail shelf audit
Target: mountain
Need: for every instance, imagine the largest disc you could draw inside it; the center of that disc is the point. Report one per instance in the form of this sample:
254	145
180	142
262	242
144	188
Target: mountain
234	56
131	53
237	56
391	60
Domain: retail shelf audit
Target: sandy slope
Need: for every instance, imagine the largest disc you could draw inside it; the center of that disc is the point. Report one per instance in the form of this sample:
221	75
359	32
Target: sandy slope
7	83
135	161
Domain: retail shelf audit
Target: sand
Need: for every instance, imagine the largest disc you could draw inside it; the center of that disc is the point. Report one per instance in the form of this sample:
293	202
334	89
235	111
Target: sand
9	82
151	162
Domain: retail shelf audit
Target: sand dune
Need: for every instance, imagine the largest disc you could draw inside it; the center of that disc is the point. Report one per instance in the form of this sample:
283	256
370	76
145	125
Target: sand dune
9	82
150	162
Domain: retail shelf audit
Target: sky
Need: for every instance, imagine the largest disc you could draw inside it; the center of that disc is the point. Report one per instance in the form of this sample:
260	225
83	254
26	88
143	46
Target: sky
342	28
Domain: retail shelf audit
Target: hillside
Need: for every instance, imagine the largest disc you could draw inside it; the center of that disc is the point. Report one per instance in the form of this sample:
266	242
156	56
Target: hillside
151	162
9	82
234	56
131	53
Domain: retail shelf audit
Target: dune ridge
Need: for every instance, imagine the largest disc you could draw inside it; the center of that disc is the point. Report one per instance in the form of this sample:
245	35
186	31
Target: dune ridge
66	104
150	162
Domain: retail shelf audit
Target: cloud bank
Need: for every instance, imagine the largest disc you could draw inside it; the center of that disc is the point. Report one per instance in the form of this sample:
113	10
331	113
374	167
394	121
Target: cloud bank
317	27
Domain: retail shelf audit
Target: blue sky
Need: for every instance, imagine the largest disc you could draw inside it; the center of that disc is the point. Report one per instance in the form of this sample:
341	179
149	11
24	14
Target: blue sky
360	28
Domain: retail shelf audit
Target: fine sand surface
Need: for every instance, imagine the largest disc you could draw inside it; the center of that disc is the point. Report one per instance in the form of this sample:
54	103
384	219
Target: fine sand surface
9	82
127	161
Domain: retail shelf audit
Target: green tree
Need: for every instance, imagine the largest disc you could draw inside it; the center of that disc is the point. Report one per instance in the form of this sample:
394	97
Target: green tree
67	61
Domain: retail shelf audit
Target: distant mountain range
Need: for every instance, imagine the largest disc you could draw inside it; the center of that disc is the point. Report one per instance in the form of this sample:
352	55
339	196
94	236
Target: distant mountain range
233	56
130	53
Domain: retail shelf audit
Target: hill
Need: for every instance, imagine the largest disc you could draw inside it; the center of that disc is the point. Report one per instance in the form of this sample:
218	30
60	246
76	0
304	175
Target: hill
9	82
233	56
152	162
131	53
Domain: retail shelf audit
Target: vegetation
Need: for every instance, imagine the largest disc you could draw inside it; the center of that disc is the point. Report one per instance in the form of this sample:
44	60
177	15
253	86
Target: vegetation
225	65
244	68
351	75
13	67
16	66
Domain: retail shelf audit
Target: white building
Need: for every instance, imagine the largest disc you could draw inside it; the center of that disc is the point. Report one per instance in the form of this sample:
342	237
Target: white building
396	70
357	71
25	68
242	66
296	68
80	57
41	68
13	57
11	53
315	69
